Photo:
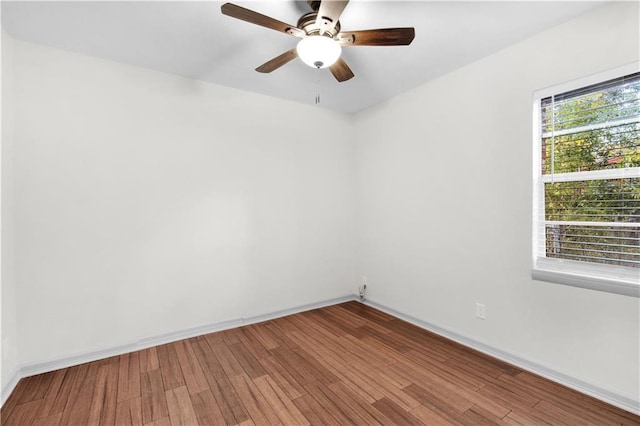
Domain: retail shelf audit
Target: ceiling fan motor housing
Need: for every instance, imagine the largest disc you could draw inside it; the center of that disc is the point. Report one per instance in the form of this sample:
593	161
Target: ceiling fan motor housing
308	23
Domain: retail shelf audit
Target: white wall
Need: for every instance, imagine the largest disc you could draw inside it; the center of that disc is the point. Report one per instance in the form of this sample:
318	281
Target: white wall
146	203
9	343
444	206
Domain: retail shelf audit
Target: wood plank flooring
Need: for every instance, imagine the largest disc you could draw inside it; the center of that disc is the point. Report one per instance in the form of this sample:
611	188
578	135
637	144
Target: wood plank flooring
344	364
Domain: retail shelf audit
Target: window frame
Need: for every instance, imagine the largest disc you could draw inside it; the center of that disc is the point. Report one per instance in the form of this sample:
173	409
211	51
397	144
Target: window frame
594	276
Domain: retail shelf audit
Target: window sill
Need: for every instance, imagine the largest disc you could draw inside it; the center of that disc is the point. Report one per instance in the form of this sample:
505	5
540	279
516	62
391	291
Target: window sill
593	283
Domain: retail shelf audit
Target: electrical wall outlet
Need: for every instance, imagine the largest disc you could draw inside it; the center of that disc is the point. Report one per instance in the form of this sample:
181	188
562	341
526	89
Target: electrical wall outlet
481	310
362	290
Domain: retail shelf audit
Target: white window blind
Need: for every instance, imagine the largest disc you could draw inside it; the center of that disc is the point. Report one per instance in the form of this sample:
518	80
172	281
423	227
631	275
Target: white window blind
587	177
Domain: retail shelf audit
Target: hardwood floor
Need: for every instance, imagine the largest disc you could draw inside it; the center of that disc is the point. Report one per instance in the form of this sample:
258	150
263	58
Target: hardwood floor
344	364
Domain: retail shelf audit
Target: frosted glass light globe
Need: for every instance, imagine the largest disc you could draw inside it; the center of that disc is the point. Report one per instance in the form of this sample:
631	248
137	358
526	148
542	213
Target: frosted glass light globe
318	51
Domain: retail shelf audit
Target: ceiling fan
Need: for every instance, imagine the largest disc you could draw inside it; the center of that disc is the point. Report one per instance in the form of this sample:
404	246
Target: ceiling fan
321	36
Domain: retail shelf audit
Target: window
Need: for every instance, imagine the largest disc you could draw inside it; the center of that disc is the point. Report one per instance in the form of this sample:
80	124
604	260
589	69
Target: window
586	229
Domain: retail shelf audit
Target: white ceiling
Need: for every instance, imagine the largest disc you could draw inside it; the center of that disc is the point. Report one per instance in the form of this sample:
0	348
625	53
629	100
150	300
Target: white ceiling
195	40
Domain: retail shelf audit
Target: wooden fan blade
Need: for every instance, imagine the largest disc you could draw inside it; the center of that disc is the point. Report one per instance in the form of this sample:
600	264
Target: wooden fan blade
248	15
278	61
380	37
329	13
341	70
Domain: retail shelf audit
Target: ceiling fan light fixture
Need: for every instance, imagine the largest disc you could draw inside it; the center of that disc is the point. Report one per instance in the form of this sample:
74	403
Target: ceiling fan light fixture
319	51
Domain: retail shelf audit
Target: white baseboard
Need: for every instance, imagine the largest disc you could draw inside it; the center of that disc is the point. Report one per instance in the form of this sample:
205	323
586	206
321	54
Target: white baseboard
625	402
14	377
31	369
622	401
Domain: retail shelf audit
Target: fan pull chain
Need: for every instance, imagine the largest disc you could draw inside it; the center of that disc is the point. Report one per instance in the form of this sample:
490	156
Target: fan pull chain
317	85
